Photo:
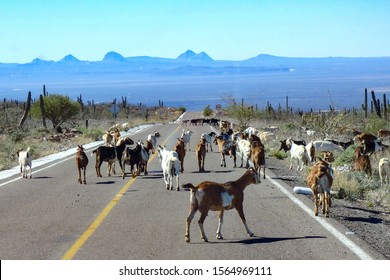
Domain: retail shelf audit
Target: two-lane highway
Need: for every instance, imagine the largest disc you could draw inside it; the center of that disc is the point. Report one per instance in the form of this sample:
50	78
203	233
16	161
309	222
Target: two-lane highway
51	216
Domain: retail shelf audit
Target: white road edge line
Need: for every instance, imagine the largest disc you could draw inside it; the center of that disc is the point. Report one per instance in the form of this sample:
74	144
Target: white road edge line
348	243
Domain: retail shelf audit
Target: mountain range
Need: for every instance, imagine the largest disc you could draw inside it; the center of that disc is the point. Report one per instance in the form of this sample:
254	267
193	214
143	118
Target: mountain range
187	63
199	76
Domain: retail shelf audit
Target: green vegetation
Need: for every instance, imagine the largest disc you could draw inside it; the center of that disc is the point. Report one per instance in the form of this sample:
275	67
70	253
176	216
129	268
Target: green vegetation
57	108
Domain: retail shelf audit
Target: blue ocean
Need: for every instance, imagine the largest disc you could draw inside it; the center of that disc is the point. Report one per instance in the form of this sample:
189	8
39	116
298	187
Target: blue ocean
305	91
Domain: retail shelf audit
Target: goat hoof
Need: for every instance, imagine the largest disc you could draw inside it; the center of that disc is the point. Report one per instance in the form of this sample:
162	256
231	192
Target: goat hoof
219	237
187	239
178	189
205	239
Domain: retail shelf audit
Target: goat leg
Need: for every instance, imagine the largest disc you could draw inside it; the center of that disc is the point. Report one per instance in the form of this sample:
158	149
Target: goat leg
240	211
220	221
200	223
188	223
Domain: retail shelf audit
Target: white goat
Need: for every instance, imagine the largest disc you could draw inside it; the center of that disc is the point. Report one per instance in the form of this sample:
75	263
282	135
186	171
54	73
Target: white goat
384	170
170	164
251	130
186	138
24	162
299	153
209	137
152	138
244	149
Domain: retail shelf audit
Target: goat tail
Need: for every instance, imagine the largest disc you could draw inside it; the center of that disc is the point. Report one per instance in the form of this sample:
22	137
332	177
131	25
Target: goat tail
188	186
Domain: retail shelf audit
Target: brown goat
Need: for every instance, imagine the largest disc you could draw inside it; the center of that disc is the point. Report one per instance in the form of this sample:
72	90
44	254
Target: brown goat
200	152
363	163
366	137
226	148
320	180
81	162
117	134
219	197
181	151
383	133
258	156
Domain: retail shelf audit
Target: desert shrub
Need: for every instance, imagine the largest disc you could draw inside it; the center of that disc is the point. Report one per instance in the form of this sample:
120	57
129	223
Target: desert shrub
94	133
358	186
277	154
17	136
346	157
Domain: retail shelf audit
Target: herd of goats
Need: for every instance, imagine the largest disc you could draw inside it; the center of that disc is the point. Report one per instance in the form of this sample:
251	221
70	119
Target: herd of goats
249	144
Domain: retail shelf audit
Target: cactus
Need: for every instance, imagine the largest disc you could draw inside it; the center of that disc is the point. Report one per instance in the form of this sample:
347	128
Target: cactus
42	105
26	111
384	104
376	104
124	102
364	106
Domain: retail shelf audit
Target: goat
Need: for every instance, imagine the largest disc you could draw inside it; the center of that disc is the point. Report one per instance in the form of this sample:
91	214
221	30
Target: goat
383	133
152	138
370	147
320	180
366	137
179	148
201	153
133	158
226	148
258	156
266	136
297	152
107	138
321	146
251	130
244	149
144	152
25	161
362	162
219	197
117	134
384	170
81	163
285	147
170	165
186	137
343	145
209	139
110	154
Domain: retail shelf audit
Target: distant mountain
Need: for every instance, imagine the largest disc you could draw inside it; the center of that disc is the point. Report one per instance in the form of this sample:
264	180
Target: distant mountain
113	56
69	59
39	61
190	56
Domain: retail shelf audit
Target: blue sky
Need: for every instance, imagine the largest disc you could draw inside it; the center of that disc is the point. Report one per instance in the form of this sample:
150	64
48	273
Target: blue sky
231	30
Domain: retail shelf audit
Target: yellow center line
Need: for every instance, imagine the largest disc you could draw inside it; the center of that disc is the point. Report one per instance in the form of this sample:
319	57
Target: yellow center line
97	222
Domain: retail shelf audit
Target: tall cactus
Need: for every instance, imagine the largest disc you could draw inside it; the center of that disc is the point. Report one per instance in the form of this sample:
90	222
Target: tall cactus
376	104
26	111
365	106
42	105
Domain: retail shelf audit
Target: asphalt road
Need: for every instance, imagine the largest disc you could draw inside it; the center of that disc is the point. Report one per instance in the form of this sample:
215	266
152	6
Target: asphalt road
52	217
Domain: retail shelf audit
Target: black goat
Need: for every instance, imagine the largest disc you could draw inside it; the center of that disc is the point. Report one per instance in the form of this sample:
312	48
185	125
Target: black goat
110	155
133	158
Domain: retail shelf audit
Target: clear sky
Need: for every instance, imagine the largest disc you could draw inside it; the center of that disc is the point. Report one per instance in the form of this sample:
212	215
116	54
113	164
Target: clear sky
231	30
